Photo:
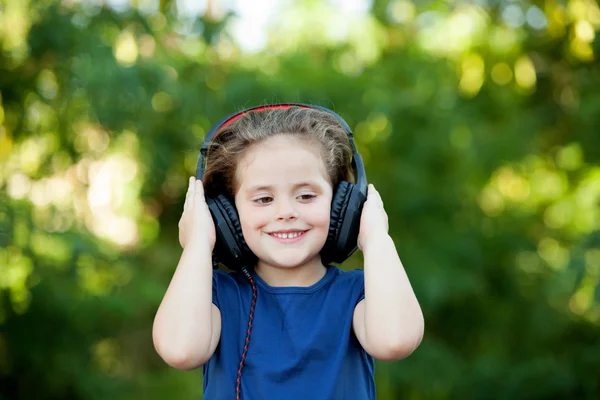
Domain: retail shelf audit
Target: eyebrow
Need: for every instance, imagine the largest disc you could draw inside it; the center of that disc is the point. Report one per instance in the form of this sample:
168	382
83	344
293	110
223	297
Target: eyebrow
297	185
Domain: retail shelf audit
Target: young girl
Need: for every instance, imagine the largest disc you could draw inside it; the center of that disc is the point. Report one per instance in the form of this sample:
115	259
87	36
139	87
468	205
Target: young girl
290	325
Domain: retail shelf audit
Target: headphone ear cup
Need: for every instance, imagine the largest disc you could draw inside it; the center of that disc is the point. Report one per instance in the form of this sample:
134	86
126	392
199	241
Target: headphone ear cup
346	211
348	237
230	248
339	204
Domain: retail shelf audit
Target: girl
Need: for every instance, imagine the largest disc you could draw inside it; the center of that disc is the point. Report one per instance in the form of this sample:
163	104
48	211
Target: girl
284	323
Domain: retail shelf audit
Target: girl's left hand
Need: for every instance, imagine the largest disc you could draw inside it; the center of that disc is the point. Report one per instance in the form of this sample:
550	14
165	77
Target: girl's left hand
373	221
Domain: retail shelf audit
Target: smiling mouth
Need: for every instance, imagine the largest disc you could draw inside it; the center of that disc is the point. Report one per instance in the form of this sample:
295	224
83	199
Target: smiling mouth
287	235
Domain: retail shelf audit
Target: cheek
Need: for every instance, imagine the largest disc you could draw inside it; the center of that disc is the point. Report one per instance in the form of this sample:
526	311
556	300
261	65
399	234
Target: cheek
319	215
253	218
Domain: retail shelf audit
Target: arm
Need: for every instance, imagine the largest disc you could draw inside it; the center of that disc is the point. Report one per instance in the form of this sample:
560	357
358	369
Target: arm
388	322
187	325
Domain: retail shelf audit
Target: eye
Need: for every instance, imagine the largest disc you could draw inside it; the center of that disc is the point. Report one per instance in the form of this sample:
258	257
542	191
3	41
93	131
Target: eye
264	200
306	197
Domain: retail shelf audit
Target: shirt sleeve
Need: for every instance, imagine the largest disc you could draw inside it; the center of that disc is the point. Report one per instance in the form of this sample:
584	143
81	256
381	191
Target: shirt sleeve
360	282
215	291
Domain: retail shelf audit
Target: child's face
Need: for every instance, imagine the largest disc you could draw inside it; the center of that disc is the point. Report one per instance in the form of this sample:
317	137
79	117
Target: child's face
283	199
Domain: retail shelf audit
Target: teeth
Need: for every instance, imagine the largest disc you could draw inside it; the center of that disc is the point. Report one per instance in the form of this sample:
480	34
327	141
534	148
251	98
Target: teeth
290	235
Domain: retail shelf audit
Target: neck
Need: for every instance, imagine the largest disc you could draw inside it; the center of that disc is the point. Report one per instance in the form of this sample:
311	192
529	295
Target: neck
303	275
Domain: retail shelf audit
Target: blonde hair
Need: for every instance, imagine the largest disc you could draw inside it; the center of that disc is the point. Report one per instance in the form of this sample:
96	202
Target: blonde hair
238	136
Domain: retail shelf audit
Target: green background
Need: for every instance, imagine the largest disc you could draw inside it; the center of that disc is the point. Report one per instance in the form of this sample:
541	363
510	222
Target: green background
478	122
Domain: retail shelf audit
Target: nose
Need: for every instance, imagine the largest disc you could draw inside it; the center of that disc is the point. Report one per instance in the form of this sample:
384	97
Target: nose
285	210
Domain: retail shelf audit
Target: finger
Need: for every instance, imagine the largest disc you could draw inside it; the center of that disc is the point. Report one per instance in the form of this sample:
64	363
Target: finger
186	203
372	192
199	198
199	187
376	196
199	190
192	191
370	199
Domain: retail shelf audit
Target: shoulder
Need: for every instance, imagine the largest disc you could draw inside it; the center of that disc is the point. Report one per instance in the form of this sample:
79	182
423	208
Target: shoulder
353	276
227	283
351	282
221	278
228	277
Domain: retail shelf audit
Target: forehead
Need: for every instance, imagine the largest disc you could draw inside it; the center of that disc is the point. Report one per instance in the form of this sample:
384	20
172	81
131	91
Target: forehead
280	160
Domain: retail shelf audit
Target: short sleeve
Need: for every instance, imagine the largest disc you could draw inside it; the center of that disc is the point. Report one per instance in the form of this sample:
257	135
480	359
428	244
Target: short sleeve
215	289
359	285
362	294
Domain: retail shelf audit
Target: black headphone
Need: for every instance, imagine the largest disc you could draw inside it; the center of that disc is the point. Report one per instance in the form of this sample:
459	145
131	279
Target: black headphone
346	205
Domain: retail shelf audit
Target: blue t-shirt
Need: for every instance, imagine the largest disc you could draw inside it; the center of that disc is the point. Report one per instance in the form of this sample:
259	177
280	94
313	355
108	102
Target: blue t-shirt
302	344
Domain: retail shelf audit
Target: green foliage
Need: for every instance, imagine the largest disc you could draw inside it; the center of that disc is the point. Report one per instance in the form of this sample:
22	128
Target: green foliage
479	132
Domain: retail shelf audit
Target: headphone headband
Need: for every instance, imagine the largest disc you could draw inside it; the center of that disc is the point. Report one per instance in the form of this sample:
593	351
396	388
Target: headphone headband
357	162
347	201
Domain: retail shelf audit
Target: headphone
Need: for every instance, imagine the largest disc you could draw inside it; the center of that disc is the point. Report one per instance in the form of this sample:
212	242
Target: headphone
346	205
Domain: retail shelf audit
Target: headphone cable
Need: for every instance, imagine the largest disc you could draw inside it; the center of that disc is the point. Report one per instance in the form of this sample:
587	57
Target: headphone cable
238	381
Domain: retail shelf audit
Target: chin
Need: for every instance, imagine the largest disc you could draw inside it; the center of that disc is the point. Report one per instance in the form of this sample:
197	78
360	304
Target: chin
290	260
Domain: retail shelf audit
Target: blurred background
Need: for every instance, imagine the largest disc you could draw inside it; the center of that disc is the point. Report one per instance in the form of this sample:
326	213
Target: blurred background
478	122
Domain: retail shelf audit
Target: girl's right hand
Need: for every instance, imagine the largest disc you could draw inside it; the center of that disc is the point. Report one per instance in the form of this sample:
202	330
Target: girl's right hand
196	224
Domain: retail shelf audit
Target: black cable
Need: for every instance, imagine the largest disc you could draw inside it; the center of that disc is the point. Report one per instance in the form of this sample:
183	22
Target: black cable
238	381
